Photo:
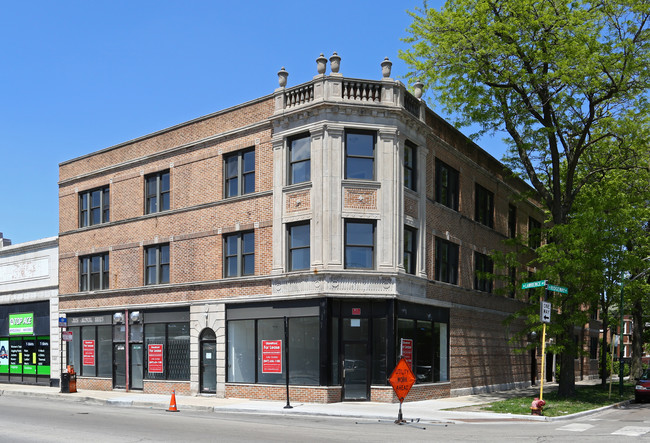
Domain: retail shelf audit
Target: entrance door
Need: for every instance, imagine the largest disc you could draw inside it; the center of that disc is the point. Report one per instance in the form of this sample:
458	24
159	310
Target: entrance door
208	367
119	365
355	371
136	366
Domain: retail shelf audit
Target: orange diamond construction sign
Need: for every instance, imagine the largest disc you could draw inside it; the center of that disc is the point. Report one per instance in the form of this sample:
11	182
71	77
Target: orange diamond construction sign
402	379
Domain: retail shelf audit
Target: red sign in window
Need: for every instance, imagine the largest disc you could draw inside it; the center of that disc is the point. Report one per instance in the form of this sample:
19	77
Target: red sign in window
272	356
89	352
155	364
406	349
356	311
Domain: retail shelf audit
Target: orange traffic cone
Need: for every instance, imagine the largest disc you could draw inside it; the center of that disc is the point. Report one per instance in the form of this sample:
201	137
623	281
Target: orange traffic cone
172	404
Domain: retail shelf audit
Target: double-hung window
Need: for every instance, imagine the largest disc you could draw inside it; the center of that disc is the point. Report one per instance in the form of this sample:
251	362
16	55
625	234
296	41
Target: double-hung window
299	159
239	254
157	264
93	272
298	237
410	235
534	233
239	173
157	192
512	221
94	207
409	166
446	261
359	244
446	185
360	155
483	268
484	204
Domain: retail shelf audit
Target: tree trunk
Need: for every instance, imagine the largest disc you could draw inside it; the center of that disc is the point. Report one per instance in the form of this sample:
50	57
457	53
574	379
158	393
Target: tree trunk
567	385
636	366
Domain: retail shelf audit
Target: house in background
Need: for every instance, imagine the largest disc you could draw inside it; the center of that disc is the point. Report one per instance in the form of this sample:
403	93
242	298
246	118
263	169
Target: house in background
341	213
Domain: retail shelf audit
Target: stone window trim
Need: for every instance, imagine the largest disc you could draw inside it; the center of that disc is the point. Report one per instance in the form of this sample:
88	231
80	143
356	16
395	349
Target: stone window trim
360	243
359	164
298	163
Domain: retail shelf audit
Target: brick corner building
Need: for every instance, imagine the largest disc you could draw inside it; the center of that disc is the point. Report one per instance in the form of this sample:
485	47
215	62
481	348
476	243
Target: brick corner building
343	209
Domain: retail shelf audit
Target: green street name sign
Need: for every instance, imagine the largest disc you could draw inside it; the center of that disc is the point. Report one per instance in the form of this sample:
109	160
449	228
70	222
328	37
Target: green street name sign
561	289
533	284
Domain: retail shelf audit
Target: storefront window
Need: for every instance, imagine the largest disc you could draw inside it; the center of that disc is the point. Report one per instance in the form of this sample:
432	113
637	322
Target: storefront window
241	351
104	352
178	344
272	329
379	351
88	349
442	352
155	339
424	352
304	359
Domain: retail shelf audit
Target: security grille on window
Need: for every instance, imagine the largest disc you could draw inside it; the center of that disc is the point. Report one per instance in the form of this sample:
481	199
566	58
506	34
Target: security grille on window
239	254
483	268
409	249
409	166
94	207
446	261
157	192
298	236
157	264
93	272
484	204
299	159
359	245
360	155
239	173
446	185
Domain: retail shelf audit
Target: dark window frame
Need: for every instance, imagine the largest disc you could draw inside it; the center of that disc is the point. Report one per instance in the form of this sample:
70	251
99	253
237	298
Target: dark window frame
410	253
484	206
292	248
159	264
349	156
241	177
512	221
447	260
292	163
86	206
482	264
534	233
410	167
158	196
447	185
86	272
349	246
240	256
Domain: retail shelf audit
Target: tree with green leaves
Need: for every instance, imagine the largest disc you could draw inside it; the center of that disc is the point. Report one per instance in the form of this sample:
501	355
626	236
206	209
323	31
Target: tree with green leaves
567	81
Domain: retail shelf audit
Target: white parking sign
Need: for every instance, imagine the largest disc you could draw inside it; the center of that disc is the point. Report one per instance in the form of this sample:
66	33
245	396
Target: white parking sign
545	314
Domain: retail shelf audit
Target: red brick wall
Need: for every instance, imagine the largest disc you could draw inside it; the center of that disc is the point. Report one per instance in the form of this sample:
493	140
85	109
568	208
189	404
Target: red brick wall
308	394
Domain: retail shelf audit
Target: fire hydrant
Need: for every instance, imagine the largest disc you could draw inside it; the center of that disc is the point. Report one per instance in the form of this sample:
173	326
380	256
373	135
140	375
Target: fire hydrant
537	407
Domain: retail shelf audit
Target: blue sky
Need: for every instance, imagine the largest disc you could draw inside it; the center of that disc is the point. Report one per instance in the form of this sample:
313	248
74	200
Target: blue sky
79	76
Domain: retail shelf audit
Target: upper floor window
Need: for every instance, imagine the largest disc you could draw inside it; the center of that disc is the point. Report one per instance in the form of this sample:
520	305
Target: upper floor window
157	264
299	159
94	207
534	233
483	266
239	254
360	155
484	204
446	185
298	237
359	244
410	236
409	166
157	192
240	173
446	261
93	272
512	221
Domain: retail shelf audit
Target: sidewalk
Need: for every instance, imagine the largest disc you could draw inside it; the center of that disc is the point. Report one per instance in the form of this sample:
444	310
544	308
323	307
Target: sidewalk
432	411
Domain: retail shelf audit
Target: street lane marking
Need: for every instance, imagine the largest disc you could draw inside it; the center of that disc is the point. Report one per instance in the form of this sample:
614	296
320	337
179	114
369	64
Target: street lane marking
632	431
575	427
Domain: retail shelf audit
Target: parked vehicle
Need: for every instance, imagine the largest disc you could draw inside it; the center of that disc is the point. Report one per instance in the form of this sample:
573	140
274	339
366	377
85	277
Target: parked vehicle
642	388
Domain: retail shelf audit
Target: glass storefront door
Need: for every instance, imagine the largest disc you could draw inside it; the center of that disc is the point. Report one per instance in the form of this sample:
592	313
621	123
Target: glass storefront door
136	361
119	365
356	378
208	367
